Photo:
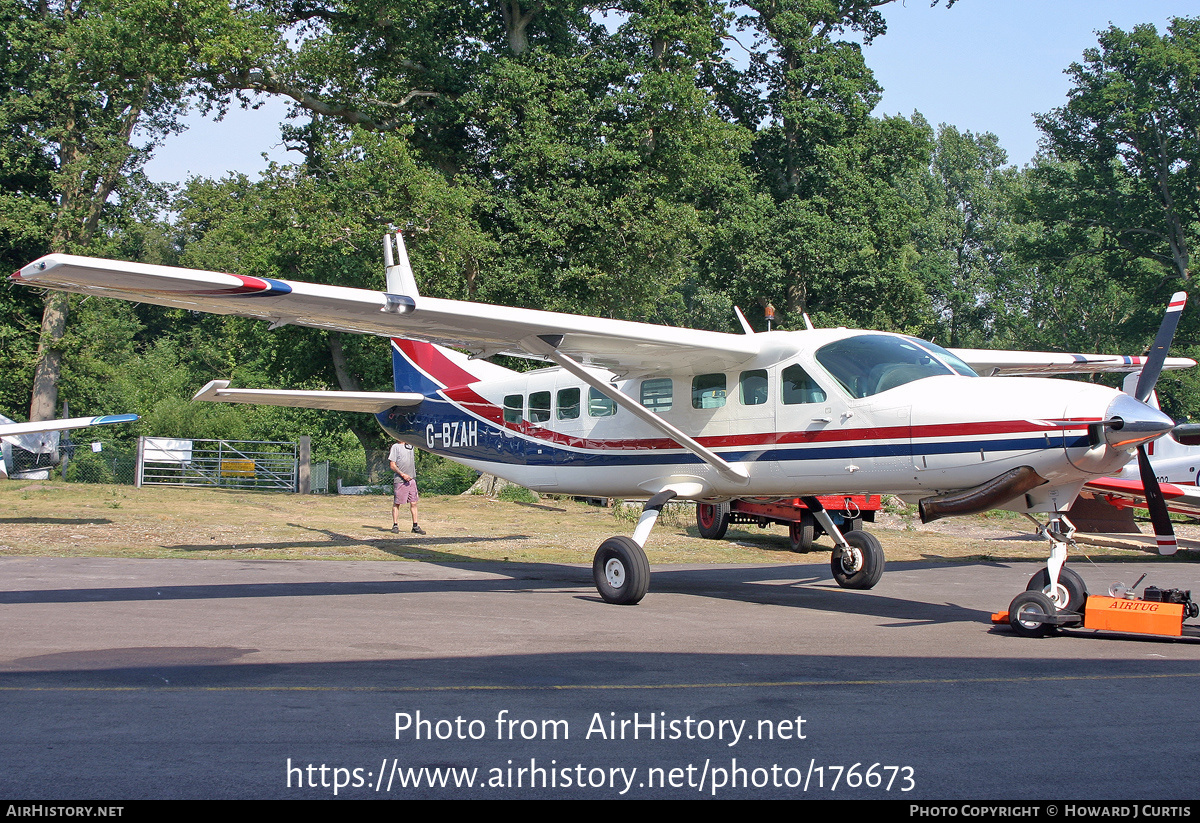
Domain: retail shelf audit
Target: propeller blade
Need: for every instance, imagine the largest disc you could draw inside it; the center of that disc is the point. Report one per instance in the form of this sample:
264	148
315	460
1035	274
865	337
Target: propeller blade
1162	342
1163	531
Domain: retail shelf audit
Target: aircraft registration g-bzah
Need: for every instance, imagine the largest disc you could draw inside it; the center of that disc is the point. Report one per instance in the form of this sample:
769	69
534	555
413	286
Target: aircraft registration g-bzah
641	411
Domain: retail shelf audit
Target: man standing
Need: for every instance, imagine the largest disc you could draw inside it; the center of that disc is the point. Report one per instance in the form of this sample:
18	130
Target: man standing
403	461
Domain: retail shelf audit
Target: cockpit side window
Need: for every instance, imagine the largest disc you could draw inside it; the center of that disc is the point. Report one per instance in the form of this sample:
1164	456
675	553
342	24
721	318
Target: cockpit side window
797	387
946	357
869	364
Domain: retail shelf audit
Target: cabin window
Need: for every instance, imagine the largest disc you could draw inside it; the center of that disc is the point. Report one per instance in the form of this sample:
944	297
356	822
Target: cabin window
708	391
797	387
753	387
568	404
513	404
600	405
539	407
656	394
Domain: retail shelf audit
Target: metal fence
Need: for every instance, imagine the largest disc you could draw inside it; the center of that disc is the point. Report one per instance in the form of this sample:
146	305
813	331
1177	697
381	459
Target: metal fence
230	464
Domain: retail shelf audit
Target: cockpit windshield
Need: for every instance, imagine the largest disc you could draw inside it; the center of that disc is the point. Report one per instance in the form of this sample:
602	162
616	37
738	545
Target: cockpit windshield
868	364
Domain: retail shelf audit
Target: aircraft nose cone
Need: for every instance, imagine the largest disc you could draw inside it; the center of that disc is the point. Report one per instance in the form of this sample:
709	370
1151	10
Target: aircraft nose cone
1134	422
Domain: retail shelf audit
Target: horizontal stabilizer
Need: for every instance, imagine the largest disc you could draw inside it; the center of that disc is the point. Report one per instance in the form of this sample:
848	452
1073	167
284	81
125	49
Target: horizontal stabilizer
218	391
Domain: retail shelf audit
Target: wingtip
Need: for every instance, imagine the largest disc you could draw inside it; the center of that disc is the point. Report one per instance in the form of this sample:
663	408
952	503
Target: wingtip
211	389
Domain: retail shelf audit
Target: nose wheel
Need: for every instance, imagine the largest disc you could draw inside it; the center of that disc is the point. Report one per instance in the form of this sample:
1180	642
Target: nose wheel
1069	594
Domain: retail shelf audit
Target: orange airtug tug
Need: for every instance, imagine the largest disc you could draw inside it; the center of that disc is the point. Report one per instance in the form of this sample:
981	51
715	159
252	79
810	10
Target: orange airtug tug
1158	612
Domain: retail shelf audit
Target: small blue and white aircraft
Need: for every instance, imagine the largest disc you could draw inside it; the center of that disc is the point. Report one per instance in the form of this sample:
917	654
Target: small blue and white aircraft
642	411
42	437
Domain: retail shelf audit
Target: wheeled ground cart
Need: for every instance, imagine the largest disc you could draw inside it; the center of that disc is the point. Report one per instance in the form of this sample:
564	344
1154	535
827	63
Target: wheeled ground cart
1035	613
847	510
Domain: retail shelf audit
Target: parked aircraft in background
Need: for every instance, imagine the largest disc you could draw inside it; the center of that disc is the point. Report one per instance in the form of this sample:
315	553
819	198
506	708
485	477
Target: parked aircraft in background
1175	460
42	437
641	411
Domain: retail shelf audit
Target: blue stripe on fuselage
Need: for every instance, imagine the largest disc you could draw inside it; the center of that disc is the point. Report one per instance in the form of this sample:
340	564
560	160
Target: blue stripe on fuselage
441	427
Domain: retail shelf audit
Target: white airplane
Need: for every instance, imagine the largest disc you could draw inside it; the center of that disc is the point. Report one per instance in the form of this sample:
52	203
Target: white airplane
639	411
42	437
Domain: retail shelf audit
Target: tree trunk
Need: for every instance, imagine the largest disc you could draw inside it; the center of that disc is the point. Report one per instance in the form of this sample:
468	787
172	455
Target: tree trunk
489	485
48	367
368	435
515	22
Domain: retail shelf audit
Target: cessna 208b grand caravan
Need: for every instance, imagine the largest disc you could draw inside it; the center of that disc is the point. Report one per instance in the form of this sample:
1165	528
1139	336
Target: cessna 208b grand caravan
641	411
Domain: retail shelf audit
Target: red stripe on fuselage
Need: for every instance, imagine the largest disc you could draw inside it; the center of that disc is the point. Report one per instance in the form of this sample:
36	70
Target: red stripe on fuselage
471	402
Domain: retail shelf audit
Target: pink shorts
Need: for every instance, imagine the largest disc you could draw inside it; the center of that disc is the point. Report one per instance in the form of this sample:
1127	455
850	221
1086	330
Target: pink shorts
403	492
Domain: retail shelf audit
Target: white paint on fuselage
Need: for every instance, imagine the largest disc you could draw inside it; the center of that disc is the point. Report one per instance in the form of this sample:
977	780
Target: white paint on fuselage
928	436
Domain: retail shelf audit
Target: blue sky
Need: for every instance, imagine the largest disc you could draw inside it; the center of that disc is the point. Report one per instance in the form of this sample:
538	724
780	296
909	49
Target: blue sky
983	65
990	65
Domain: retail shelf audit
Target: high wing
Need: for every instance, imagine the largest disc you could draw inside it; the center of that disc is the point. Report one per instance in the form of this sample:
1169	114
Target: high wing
12	430
622	346
1045	364
1180	498
218	391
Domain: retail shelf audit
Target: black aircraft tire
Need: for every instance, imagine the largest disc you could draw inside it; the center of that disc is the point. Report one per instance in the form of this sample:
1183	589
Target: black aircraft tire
803	532
621	571
1024	613
712	519
1075	588
858	575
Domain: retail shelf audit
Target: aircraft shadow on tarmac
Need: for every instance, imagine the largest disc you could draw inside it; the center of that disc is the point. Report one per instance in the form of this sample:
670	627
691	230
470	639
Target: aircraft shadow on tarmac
432	548
801	586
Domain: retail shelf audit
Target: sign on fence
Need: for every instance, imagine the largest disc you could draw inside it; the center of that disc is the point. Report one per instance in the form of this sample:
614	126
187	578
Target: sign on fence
233	464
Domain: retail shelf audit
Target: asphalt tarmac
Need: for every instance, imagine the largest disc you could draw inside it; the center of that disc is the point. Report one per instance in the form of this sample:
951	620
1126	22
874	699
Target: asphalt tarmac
130	679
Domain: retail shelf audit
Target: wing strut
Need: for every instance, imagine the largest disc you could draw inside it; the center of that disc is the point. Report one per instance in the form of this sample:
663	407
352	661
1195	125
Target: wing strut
547	345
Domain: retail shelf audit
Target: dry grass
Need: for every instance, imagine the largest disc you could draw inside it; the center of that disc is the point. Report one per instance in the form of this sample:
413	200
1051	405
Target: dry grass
81	520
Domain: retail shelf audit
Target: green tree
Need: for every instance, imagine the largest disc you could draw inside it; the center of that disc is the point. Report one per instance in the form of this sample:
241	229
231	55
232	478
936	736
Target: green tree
833	238
967	235
90	87
324	221
1128	180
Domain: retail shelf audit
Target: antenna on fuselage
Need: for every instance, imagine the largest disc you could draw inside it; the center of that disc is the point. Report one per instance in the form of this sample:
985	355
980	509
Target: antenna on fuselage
399	273
746	327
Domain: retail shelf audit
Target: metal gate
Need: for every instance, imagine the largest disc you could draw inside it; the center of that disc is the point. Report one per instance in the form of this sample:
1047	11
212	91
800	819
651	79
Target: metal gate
229	464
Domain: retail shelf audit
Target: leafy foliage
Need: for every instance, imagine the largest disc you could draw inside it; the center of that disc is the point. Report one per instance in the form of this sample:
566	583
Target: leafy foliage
611	159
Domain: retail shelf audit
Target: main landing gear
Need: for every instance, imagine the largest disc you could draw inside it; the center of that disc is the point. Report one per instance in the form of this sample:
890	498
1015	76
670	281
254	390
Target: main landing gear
621	571
857	561
620	568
